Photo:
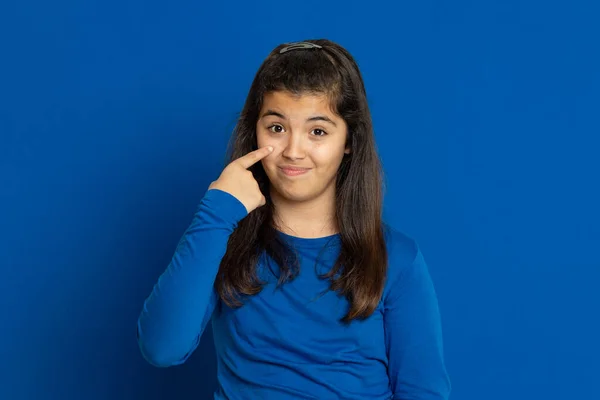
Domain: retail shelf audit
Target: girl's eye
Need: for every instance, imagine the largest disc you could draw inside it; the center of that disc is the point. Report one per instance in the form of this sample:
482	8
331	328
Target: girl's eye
279	129
276	128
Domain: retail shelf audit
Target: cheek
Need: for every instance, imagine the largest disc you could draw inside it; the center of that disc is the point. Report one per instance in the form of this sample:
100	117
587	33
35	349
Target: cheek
260	140
267	162
263	140
327	157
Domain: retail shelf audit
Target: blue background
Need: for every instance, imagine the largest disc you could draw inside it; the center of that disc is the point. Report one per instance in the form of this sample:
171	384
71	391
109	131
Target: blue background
114	116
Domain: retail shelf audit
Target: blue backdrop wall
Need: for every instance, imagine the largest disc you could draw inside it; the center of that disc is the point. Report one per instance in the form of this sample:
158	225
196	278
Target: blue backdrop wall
114	116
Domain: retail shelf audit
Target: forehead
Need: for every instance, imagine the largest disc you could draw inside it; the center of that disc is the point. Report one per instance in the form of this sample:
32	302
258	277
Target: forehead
299	104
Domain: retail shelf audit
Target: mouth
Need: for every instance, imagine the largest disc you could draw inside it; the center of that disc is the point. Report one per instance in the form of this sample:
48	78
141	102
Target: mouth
294	171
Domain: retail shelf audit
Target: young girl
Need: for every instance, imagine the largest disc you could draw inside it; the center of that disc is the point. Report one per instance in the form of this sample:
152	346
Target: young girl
310	294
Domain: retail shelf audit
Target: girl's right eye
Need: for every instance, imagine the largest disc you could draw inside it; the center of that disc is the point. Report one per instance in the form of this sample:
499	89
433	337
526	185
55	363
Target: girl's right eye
276	128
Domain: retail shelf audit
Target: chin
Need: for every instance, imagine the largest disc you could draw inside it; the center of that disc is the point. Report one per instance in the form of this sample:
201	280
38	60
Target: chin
289	195
296	195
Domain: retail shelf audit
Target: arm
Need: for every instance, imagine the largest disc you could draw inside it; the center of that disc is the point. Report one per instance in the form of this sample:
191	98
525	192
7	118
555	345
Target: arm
182	301
414	335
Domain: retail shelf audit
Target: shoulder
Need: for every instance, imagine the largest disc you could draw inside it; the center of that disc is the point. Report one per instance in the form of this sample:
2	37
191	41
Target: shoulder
405	260
402	249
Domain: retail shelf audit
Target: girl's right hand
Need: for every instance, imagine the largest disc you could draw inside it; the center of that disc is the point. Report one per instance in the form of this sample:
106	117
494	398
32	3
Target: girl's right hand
240	183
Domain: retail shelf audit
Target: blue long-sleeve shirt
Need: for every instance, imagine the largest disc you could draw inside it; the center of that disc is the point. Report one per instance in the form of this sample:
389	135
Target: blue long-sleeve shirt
288	343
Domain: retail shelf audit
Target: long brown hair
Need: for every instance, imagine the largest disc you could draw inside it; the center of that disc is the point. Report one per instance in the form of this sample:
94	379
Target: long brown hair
360	269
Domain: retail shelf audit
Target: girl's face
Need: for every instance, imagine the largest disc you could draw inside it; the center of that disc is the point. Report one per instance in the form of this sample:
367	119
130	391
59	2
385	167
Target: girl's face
305	134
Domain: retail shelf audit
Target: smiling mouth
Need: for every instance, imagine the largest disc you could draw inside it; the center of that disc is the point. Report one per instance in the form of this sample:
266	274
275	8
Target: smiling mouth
294	171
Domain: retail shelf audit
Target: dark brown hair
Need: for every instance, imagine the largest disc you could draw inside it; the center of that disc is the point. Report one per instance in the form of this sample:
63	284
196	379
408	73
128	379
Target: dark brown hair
360	270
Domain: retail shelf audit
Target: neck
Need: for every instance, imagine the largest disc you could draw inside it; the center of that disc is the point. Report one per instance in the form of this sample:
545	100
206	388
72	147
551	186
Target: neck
308	219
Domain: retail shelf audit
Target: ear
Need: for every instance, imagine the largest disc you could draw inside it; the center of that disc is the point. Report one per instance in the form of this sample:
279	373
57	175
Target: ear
347	150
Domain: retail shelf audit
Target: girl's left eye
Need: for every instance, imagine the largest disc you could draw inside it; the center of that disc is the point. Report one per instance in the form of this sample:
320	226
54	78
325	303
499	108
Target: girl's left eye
319	132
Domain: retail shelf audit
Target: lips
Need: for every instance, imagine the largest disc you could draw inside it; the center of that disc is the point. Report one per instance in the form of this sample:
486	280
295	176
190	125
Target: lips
293	171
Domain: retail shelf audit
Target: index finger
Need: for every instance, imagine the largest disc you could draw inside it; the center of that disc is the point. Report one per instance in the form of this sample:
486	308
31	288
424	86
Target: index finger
254	156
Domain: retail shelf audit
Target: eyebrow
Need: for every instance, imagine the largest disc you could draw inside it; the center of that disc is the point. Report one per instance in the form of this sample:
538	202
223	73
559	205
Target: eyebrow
314	118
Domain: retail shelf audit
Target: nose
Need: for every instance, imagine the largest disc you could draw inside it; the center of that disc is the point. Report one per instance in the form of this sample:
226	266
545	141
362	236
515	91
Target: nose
295	147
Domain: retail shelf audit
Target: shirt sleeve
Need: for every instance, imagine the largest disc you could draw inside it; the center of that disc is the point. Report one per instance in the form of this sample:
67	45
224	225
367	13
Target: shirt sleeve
181	303
413	333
